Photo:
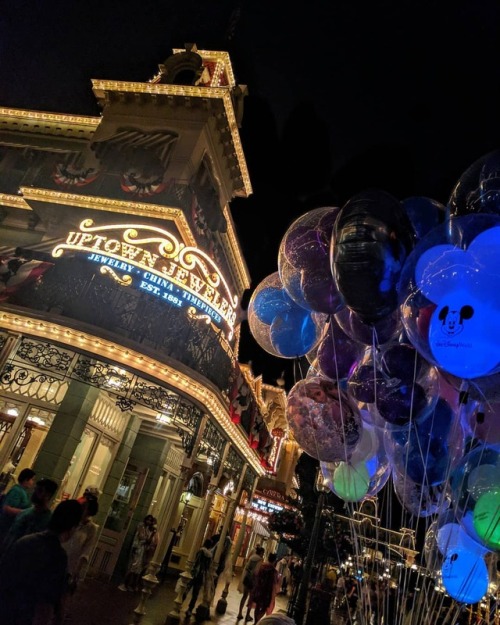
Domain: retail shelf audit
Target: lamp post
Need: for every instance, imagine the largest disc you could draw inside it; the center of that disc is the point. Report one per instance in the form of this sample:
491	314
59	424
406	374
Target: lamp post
298	608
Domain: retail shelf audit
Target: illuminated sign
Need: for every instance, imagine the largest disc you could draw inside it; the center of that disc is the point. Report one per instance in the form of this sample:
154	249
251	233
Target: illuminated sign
153	260
266	506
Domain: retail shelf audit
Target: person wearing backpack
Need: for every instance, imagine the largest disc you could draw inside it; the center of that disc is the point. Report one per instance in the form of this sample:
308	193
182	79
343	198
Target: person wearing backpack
17	499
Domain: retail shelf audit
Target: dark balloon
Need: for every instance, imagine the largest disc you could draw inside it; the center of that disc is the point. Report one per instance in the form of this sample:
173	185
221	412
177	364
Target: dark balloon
402	361
378	332
478	188
362	383
371	240
320	293
399	404
337	353
424	213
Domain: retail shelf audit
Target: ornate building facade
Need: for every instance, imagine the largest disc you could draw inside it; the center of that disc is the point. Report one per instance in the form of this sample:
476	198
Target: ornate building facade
120	281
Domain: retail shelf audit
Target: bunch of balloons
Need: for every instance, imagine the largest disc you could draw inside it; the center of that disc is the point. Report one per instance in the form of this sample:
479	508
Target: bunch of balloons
396	305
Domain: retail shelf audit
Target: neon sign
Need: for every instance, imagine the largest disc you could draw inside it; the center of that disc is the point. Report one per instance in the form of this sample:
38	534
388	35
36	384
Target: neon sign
155	261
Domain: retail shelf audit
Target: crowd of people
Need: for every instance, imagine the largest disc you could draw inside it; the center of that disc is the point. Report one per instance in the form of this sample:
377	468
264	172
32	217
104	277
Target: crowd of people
44	552
47	549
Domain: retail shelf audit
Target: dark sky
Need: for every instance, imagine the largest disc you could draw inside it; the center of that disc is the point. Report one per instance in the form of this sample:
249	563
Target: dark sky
343	94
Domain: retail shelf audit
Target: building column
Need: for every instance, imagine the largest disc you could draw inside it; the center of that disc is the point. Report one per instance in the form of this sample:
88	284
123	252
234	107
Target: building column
174	616
222	603
150	579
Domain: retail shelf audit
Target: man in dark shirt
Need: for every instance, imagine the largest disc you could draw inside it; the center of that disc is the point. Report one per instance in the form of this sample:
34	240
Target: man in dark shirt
33	571
37	517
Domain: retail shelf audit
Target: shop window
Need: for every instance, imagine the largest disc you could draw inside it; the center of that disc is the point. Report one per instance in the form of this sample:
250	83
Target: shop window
28	440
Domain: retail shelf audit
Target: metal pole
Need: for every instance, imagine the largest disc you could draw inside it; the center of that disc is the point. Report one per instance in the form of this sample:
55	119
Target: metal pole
298	609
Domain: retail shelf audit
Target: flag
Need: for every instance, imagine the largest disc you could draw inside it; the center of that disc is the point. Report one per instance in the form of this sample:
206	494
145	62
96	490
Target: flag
17	272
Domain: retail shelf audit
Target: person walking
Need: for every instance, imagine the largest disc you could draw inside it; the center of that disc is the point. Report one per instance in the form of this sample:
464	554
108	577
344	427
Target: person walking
16	500
37	517
80	546
200	576
33	571
144	538
247	579
263	594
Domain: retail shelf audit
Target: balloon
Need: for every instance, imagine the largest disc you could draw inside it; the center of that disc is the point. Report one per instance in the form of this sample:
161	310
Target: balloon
424	213
450	312
366	472
304	265
371	240
294	333
337	353
487	518
370	333
362	382
270	301
323	419
399	360
429	447
278	324
351	482
477	478
418	499
465	576
398	404
450	535
478	188
482	420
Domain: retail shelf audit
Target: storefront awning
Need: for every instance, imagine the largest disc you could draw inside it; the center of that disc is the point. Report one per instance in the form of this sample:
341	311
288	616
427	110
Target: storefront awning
260	529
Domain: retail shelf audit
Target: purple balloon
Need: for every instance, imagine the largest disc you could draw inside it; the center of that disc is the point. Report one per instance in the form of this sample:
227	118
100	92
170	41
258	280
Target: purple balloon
337	353
398	404
363	381
319	291
402	361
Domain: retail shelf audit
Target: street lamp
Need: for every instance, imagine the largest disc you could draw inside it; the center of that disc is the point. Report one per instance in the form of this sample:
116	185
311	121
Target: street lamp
298	608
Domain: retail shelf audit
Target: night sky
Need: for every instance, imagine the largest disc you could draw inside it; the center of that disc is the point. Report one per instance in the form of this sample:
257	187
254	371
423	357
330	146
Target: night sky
343	95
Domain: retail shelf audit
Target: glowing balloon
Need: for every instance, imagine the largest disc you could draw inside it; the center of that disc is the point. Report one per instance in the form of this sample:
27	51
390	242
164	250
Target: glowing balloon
451	536
476	478
323	419
465	576
487	518
351	482
449	306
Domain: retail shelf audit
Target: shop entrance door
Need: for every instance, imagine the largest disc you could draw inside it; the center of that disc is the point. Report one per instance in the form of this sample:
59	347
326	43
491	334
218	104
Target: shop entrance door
117	523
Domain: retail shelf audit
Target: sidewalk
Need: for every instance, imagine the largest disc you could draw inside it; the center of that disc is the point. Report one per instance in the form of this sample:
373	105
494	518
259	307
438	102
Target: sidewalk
98	603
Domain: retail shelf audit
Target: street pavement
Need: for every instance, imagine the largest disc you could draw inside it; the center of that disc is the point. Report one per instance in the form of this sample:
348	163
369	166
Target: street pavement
101	603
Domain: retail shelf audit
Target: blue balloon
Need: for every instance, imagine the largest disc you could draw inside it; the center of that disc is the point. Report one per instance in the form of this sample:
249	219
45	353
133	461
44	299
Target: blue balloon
294	333
270	302
465	576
